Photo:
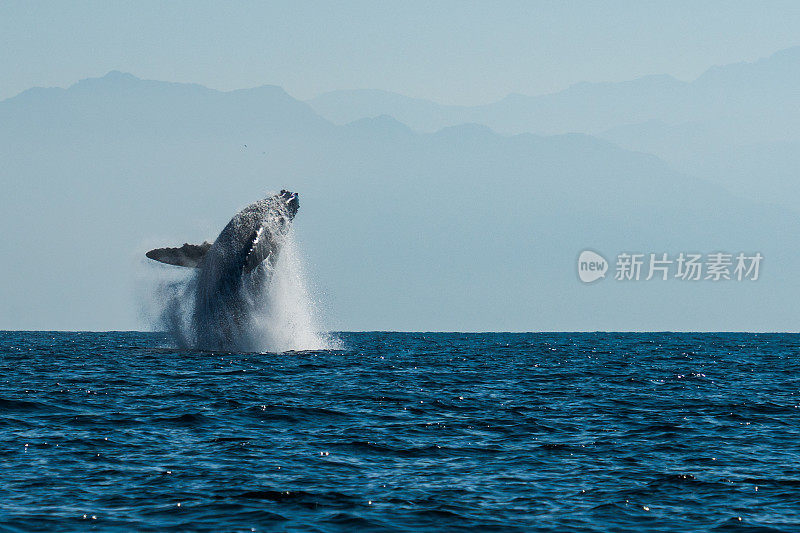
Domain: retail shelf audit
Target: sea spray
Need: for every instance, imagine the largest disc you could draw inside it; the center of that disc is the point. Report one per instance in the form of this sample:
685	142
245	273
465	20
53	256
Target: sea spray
284	314
276	312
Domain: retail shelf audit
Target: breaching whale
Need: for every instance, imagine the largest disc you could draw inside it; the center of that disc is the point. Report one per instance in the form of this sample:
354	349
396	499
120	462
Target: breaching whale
233	269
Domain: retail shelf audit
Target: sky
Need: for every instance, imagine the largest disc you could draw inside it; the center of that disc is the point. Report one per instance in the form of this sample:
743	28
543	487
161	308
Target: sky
450	51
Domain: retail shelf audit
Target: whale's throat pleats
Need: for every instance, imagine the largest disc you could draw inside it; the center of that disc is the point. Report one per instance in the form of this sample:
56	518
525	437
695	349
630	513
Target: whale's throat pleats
188	255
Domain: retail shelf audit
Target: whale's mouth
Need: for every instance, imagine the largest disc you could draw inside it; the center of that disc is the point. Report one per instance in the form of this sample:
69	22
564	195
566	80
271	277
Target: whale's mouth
292	200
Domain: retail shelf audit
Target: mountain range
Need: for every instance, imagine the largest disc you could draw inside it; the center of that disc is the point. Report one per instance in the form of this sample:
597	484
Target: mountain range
737	125
767	88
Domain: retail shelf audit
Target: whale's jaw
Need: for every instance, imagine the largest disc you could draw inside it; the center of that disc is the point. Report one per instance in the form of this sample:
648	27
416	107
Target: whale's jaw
292	200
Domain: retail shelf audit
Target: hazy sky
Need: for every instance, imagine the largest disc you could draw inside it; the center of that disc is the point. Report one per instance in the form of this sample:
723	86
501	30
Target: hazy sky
453	52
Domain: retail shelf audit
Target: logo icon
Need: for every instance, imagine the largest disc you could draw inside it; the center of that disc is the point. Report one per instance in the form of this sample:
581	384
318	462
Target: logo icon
591	266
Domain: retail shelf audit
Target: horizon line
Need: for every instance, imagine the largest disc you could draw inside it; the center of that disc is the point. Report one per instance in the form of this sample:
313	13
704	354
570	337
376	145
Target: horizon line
474	332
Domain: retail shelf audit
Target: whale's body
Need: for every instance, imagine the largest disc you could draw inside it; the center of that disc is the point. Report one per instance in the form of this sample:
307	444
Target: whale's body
232	271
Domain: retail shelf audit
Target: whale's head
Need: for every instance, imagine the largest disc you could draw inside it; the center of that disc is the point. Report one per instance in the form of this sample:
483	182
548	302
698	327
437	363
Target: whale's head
292	201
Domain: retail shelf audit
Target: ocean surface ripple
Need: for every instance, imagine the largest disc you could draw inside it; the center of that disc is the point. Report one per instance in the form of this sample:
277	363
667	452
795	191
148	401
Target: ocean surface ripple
402	432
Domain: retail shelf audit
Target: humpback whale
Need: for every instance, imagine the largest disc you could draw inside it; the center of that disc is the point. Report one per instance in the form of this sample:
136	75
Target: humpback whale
232	271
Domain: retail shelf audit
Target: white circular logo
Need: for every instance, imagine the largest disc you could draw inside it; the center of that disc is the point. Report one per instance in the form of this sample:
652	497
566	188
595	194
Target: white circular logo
591	266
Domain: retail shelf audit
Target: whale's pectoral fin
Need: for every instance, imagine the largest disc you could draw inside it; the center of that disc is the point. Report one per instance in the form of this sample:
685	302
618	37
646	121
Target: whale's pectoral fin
188	255
261	247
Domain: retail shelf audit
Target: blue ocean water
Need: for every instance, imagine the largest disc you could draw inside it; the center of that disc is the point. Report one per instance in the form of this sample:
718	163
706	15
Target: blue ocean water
402	432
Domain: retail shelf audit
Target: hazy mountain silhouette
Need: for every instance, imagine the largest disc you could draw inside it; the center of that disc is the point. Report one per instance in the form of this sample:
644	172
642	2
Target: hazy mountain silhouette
737	125
461	229
767	87
754	158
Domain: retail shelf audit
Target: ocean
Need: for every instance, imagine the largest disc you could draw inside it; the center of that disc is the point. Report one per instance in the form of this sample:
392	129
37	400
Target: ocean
402	432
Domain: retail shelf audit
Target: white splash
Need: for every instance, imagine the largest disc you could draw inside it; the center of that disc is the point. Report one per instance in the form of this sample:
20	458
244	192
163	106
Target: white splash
284	316
279	314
